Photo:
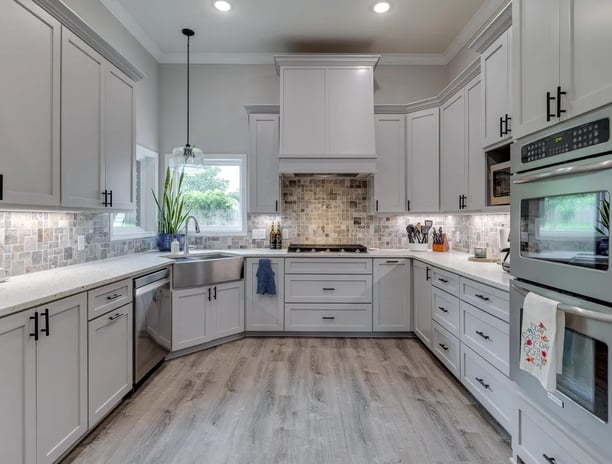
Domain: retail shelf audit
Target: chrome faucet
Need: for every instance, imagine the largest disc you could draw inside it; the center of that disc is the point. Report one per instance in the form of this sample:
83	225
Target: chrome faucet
197	229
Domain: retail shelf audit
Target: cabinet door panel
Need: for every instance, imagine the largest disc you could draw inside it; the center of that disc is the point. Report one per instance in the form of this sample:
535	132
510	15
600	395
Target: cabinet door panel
17	389
390	180
30	104
265	312
82	100
453	171
477	175
422	302
494	67
61	378
189	318
391	308
229	309
264	192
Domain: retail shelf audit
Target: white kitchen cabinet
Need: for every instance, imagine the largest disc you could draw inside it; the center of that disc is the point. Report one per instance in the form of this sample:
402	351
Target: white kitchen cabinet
61	377
18	389
391	295
110	361
30	104
462	162
422	301
203	314
496	66
388	185
265	312
264	191
560	67
423	161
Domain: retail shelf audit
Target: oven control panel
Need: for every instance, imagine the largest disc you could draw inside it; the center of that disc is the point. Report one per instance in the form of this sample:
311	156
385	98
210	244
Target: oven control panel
575	138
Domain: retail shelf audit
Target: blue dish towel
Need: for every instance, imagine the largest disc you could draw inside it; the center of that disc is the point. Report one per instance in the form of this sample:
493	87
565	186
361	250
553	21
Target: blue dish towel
265	278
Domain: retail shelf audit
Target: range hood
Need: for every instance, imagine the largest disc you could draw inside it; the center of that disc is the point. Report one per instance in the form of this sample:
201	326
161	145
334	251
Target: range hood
327	115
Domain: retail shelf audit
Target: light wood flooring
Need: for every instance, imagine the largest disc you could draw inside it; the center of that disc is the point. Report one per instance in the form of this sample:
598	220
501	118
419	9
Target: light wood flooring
300	400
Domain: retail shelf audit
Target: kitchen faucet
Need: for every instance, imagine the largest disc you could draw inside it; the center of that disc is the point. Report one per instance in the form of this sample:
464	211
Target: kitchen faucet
197	229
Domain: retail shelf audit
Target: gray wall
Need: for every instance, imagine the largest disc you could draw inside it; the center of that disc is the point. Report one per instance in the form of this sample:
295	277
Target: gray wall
147	96
219	93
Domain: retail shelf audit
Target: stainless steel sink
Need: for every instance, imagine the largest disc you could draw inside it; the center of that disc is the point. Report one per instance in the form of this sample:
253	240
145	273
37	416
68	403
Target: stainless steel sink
207	269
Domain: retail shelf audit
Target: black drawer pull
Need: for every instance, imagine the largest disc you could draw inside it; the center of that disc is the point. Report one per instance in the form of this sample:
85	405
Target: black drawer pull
482	382
483	335
482	297
328	289
35	333
549	98
443	346
444	281
443	309
215	293
329	318
427	276
46	329
114	296
209	293
392	261
117	316
549	459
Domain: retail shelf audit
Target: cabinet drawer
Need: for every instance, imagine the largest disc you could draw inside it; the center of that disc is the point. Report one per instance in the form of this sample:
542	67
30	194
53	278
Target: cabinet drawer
446	348
328	266
328	288
446	281
535	436
103	299
489	299
328	318
445	310
488	385
486	335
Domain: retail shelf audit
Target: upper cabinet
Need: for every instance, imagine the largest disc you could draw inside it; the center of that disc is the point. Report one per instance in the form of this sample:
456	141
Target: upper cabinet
495	66
560	69
30	104
423	161
264	191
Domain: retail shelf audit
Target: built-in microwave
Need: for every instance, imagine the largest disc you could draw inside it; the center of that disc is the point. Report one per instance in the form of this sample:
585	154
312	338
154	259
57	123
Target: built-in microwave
499	184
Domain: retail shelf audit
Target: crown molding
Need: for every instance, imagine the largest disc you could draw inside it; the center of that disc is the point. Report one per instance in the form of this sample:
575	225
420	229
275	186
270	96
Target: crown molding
492	30
75	23
469	73
327	59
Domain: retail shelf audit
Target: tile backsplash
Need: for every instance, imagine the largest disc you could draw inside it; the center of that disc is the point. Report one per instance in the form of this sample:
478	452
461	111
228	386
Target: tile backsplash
313	211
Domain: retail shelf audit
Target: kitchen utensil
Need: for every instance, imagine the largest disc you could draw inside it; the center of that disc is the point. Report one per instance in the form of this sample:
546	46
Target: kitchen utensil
428	226
480	252
409	232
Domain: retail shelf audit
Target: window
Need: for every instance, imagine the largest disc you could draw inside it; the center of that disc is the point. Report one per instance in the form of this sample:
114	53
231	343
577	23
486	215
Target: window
143	221
215	190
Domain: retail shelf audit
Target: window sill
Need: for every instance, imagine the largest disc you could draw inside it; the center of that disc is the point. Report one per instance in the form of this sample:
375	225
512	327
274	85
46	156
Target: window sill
131	235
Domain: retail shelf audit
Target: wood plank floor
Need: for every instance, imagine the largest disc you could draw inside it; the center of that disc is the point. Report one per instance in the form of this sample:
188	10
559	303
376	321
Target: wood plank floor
300	400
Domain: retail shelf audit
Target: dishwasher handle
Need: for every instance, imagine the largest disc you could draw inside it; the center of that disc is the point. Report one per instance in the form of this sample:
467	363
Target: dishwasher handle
151	287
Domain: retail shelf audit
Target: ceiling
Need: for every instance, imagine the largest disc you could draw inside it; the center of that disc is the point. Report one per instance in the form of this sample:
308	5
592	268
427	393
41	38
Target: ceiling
434	29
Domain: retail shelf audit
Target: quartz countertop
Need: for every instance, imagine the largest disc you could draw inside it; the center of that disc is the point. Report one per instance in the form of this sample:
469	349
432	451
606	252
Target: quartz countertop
30	290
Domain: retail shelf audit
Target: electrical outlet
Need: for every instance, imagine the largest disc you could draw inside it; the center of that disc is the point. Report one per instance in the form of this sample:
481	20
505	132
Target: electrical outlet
258	234
80	243
285	234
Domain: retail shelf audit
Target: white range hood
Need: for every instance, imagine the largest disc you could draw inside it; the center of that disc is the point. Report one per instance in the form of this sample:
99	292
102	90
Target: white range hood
327	114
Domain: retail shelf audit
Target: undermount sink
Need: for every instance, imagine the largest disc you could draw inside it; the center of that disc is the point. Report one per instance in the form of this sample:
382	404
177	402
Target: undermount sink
207	269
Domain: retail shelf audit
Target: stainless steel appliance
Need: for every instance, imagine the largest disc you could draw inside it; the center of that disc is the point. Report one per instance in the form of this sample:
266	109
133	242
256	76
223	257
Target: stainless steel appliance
499	184
152	321
583	397
313	248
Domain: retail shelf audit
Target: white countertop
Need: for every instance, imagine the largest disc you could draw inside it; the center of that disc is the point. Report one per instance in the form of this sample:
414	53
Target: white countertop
30	290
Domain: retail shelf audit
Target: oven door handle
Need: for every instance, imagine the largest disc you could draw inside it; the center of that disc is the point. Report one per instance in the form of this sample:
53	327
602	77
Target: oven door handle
576	310
566	171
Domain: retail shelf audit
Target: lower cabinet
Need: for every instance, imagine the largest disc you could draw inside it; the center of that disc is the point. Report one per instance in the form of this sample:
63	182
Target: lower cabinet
110	361
447	348
265	312
316	317
391	295
421	274
203	314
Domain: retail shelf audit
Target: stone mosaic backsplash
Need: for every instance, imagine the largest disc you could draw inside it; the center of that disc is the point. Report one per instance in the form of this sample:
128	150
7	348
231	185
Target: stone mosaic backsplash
313	211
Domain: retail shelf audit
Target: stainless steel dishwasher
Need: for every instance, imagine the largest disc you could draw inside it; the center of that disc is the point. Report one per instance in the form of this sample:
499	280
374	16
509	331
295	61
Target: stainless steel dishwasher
152	321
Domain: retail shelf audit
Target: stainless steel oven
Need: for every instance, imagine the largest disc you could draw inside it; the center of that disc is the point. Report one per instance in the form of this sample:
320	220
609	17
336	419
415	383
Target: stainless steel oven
583	397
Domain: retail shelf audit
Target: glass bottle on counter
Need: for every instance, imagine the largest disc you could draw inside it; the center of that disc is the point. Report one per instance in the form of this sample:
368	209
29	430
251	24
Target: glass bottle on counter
272	238
279	237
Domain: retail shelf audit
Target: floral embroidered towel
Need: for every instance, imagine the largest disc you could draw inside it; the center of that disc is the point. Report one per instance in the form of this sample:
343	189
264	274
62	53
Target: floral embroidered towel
542	335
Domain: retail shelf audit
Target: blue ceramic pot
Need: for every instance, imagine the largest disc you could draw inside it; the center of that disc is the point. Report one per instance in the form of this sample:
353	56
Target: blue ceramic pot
164	241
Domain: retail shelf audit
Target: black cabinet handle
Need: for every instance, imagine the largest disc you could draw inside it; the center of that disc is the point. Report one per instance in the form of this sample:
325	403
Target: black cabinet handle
549	98
559	93
328	289
35	333
209	297
276	206
483	383
444	281
329	318
483	335
1	187
110	194
46	329
407	205
460	202
427	276
507	129
215	293
482	297
443	309
463	204
117	316
549	459
376	205
501	126
443	346
105	202
113	296
392	261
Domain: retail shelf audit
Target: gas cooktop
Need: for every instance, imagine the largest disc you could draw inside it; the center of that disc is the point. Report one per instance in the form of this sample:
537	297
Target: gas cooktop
305	248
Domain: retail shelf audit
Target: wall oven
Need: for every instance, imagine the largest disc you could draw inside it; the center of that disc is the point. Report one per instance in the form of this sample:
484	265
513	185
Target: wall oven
583	397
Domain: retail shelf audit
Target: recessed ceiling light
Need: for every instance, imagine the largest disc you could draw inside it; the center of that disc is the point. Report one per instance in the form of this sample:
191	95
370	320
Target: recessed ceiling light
222	5
381	7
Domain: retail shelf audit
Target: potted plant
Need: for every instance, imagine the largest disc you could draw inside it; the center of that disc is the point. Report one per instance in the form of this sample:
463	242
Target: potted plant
172	212
603	227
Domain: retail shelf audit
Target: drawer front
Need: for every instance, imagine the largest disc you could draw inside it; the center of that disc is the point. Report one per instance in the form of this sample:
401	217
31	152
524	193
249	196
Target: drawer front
489	299
328	318
328	266
488	385
445	280
445	310
486	335
103	299
535	436
328	289
446	348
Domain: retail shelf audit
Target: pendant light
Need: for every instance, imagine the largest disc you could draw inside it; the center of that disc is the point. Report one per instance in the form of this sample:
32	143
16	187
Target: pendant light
187	153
